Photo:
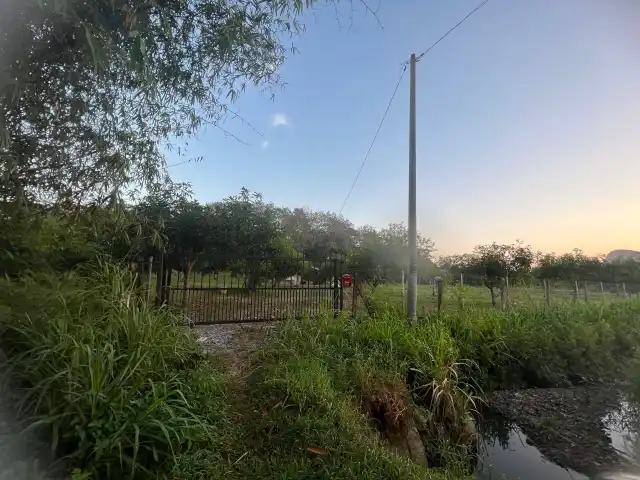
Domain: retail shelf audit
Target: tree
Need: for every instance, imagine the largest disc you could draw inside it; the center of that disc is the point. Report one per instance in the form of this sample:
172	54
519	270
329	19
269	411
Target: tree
191	231
318	235
236	233
381	256
520	260
244	235
247	232
547	266
364	262
395	256
574	266
491	263
90	90
623	270
455	264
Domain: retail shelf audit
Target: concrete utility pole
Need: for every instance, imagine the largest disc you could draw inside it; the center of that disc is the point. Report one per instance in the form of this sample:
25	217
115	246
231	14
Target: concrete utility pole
412	287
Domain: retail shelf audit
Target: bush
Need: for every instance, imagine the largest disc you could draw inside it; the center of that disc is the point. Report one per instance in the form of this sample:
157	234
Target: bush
122	390
38	241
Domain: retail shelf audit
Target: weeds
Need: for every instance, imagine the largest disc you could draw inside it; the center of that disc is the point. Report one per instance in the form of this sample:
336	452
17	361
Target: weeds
324	373
342	385
118	386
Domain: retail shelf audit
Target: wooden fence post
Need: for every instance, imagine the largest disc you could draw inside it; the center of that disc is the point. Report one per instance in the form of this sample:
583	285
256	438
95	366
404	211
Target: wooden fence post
624	290
149	277
461	279
547	292
341	273
160	281
440	284
354	294
602	291
586	291
575	291
336	287
503	294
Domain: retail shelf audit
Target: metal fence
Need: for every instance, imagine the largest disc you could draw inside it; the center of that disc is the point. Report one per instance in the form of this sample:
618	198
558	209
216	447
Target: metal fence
249	289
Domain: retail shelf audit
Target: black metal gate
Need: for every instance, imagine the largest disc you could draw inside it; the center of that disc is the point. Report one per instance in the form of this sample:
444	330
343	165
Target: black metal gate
250	289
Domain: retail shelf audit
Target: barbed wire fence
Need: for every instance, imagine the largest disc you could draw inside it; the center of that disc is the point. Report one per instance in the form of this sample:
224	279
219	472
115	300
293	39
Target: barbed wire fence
505	293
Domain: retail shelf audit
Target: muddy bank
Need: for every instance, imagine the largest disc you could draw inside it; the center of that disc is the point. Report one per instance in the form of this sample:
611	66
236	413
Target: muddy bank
570	427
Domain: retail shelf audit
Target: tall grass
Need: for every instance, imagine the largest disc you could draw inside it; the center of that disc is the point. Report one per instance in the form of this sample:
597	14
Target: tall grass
122	391
345	384
532	346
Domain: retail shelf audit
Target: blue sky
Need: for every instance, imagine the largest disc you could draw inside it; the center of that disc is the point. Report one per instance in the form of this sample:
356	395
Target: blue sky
526	117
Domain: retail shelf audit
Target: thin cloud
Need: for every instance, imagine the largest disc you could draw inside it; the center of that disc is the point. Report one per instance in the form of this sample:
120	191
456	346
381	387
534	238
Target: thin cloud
265	143
280	119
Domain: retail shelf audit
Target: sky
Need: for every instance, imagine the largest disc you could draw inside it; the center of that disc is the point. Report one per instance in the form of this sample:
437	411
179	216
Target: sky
526	116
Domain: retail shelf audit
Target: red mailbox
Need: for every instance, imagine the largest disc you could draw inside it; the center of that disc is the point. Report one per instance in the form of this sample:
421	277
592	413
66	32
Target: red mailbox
347	280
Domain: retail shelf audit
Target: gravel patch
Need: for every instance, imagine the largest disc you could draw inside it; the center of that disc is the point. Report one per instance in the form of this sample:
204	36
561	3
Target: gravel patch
233	336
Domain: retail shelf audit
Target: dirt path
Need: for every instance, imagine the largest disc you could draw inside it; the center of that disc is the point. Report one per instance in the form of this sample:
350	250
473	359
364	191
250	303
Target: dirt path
234	342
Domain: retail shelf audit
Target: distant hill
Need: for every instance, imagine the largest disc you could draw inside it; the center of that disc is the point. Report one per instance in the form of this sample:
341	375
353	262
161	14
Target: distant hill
617	255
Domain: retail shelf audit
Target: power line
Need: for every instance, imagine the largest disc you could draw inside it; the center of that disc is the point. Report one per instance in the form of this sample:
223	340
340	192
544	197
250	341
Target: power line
374	138
482	4
418	58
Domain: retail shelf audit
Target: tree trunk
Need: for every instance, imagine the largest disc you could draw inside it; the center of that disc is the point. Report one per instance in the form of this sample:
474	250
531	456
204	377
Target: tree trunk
493	296
503	294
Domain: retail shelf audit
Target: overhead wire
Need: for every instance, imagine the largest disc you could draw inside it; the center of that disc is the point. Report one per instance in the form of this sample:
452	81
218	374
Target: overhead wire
384	116
375	137
480	5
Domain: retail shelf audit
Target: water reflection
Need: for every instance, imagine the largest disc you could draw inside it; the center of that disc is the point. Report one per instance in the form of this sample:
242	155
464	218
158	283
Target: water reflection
556	454
623	426
511	457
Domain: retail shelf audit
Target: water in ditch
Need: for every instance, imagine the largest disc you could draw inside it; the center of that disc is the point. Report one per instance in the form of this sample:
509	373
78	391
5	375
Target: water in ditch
554	451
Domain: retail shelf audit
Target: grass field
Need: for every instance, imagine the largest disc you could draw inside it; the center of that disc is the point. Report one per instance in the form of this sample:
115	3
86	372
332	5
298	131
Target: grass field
456	296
